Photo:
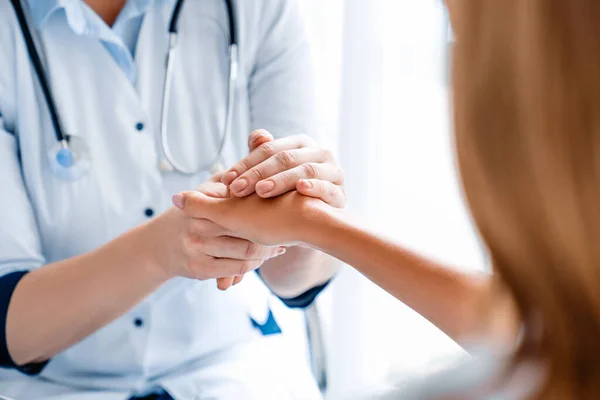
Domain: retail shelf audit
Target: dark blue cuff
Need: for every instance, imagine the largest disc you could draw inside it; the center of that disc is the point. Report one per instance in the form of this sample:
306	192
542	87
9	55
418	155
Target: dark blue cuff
8	283
306	298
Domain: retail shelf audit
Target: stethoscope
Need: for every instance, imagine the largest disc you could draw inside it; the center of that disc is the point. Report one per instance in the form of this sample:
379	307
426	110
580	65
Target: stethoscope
69	157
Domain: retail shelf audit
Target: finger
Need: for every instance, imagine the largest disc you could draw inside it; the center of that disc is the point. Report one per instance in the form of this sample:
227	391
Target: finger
214	189
217	177
200	227
263	152
280	162
328	192
286	181
237	279
203	228
239	249
197	205
258	137
226	267
225	283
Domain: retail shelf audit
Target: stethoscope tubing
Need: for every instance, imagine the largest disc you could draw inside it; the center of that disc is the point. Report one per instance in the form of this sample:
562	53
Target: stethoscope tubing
63	138
39	71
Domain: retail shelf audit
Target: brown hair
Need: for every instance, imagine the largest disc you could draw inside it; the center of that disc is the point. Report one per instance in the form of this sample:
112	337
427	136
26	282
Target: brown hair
527	118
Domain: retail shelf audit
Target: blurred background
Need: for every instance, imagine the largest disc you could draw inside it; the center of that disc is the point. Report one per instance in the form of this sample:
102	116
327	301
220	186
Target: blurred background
382	69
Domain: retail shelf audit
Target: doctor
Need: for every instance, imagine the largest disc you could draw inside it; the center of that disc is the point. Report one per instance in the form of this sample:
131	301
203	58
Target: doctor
106	290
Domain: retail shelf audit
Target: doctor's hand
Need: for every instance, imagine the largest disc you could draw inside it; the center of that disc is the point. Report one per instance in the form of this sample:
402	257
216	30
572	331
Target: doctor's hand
275	167
201	249
280	221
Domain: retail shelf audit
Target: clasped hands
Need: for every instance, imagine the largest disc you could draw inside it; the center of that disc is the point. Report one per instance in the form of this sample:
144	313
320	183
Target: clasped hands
250	213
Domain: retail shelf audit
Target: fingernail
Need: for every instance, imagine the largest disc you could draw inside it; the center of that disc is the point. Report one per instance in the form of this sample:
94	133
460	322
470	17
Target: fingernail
307	184
281	251
258	138
178	200
239	185
229	177
265	187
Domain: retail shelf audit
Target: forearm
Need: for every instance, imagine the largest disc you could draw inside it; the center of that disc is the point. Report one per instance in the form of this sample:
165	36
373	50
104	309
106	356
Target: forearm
56	306
446	297
297	271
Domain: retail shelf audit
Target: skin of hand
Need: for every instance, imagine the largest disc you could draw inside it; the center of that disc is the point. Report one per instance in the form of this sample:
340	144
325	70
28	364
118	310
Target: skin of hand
278	221
201	249
42	318
282	164
274	166
450	299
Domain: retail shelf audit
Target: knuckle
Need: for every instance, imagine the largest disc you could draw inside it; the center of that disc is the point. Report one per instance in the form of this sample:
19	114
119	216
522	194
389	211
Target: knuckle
251	250
328	155
241	167
311	170
258	174
288	179
285	159
266	149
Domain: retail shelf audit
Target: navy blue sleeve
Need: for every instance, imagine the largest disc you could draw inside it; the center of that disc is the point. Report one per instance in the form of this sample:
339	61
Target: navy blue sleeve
8	283
306	298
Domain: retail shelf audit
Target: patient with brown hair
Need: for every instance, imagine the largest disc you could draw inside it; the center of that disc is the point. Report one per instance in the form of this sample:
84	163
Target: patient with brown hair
526	91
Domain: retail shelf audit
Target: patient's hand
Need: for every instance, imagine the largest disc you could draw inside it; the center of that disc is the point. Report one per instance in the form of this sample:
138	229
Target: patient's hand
274	221
324	190
275	166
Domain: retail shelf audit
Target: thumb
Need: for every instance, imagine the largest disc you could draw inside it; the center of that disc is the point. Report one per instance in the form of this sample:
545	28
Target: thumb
196	204
258	137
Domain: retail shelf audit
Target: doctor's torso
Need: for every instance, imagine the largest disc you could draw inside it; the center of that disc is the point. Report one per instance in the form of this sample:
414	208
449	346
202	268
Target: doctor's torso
185	322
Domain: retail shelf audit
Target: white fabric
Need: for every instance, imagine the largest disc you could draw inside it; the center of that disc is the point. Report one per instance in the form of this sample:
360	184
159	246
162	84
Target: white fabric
188	327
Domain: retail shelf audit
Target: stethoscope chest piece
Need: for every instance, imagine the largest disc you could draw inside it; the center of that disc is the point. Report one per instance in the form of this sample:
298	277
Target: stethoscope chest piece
69	159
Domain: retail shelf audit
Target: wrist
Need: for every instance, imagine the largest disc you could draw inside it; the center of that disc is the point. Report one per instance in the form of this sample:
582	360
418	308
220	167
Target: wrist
146	244
319	222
